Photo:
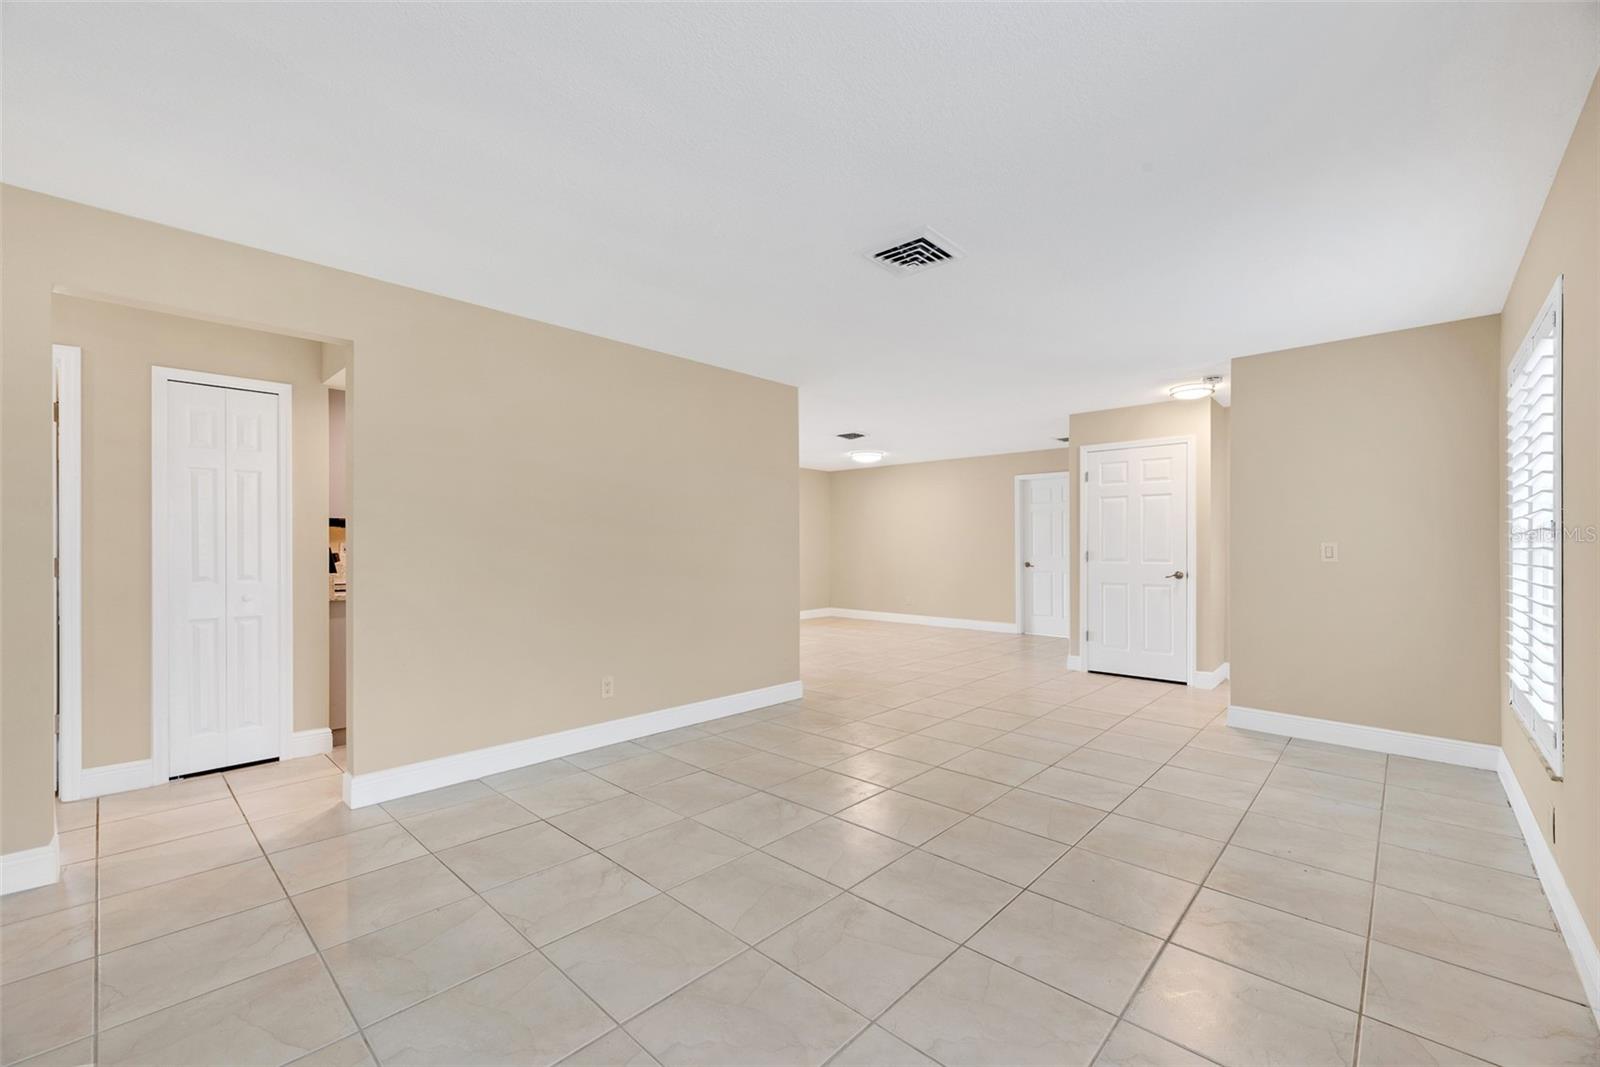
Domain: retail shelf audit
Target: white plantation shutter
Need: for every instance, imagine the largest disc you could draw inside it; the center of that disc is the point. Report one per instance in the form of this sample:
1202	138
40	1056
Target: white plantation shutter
1533	487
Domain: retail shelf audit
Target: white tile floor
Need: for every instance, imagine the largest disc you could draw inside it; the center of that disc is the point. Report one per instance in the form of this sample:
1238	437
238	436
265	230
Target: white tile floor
952	850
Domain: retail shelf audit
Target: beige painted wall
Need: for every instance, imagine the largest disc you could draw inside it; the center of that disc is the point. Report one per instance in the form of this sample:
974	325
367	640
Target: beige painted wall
816	548
1173	418
618	532
1385	445
1214	576
932	538
120	345
1566	242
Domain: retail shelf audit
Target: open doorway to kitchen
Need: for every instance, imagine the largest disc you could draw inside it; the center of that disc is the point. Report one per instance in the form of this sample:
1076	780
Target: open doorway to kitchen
338	565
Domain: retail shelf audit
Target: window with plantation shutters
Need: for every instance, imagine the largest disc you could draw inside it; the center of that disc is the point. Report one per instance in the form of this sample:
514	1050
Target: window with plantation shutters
1534	535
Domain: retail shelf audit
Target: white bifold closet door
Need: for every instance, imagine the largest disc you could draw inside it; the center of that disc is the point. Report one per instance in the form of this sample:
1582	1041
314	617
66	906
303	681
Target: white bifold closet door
223	552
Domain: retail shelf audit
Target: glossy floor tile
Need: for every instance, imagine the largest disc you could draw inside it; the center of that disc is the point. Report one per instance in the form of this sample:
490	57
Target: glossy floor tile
950	851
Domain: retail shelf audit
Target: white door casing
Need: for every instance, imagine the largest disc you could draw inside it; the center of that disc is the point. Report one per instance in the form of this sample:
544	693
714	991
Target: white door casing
68	365
1137	560
221	672
1043	531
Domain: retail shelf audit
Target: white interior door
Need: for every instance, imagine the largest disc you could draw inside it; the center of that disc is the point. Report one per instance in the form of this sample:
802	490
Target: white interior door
223	523
1045	564
1136	565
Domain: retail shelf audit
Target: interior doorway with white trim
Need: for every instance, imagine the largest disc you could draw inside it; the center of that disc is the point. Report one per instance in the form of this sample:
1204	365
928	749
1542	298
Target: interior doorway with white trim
1139	552
1043	554
67	480
112	368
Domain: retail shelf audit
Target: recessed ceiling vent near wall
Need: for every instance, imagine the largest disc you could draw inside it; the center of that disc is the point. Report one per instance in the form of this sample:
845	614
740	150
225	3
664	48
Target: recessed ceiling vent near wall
852	436
913	256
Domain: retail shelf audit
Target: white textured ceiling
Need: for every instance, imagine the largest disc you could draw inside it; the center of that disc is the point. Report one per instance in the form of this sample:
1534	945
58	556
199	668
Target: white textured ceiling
1141	191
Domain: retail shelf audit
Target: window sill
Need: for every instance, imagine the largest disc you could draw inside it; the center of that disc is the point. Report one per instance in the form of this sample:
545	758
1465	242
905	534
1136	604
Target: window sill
1538	751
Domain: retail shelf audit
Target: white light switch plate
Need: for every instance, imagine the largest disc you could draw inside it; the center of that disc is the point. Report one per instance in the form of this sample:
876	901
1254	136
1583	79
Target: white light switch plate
1330	552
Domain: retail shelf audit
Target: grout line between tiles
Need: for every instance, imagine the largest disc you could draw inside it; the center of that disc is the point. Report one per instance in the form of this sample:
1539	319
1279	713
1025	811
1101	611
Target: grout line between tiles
1372	904
316	948
1166	942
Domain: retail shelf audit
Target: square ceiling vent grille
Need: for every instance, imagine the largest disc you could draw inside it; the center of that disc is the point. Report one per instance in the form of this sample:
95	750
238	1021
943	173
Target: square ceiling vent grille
916	254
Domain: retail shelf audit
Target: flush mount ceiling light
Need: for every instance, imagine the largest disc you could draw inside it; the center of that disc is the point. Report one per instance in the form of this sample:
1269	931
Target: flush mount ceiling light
1196	390
867	455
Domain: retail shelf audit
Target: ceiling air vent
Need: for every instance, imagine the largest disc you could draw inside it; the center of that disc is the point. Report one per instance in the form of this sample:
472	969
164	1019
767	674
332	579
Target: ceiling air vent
927	249
852	436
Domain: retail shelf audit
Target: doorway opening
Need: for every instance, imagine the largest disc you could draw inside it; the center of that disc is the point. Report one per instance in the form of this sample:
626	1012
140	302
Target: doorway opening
121	502
338	565
1043	505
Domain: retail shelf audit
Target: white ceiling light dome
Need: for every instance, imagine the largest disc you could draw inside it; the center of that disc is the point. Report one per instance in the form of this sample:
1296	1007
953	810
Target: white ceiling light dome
867	455
1196	390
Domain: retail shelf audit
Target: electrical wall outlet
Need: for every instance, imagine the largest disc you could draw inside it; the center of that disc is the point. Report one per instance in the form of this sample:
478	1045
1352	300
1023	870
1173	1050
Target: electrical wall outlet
608	687
1330	552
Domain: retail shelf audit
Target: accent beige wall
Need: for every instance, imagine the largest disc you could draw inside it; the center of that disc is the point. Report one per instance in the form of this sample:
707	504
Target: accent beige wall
120	346
816	520
932	538
1566	242
1385	445
1173	418
617	532
1214	575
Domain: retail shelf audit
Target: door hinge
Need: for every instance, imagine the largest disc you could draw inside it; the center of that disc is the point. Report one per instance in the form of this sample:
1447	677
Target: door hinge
1088	635
55	412
55	567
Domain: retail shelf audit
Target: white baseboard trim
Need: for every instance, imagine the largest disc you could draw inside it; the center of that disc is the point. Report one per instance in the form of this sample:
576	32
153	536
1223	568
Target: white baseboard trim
1210	679
309	742
140	774
115	778
915	620
1372	738
1580	942
378	786
30	868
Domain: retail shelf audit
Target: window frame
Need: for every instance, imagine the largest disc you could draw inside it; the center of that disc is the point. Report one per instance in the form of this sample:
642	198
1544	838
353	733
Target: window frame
1547	737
